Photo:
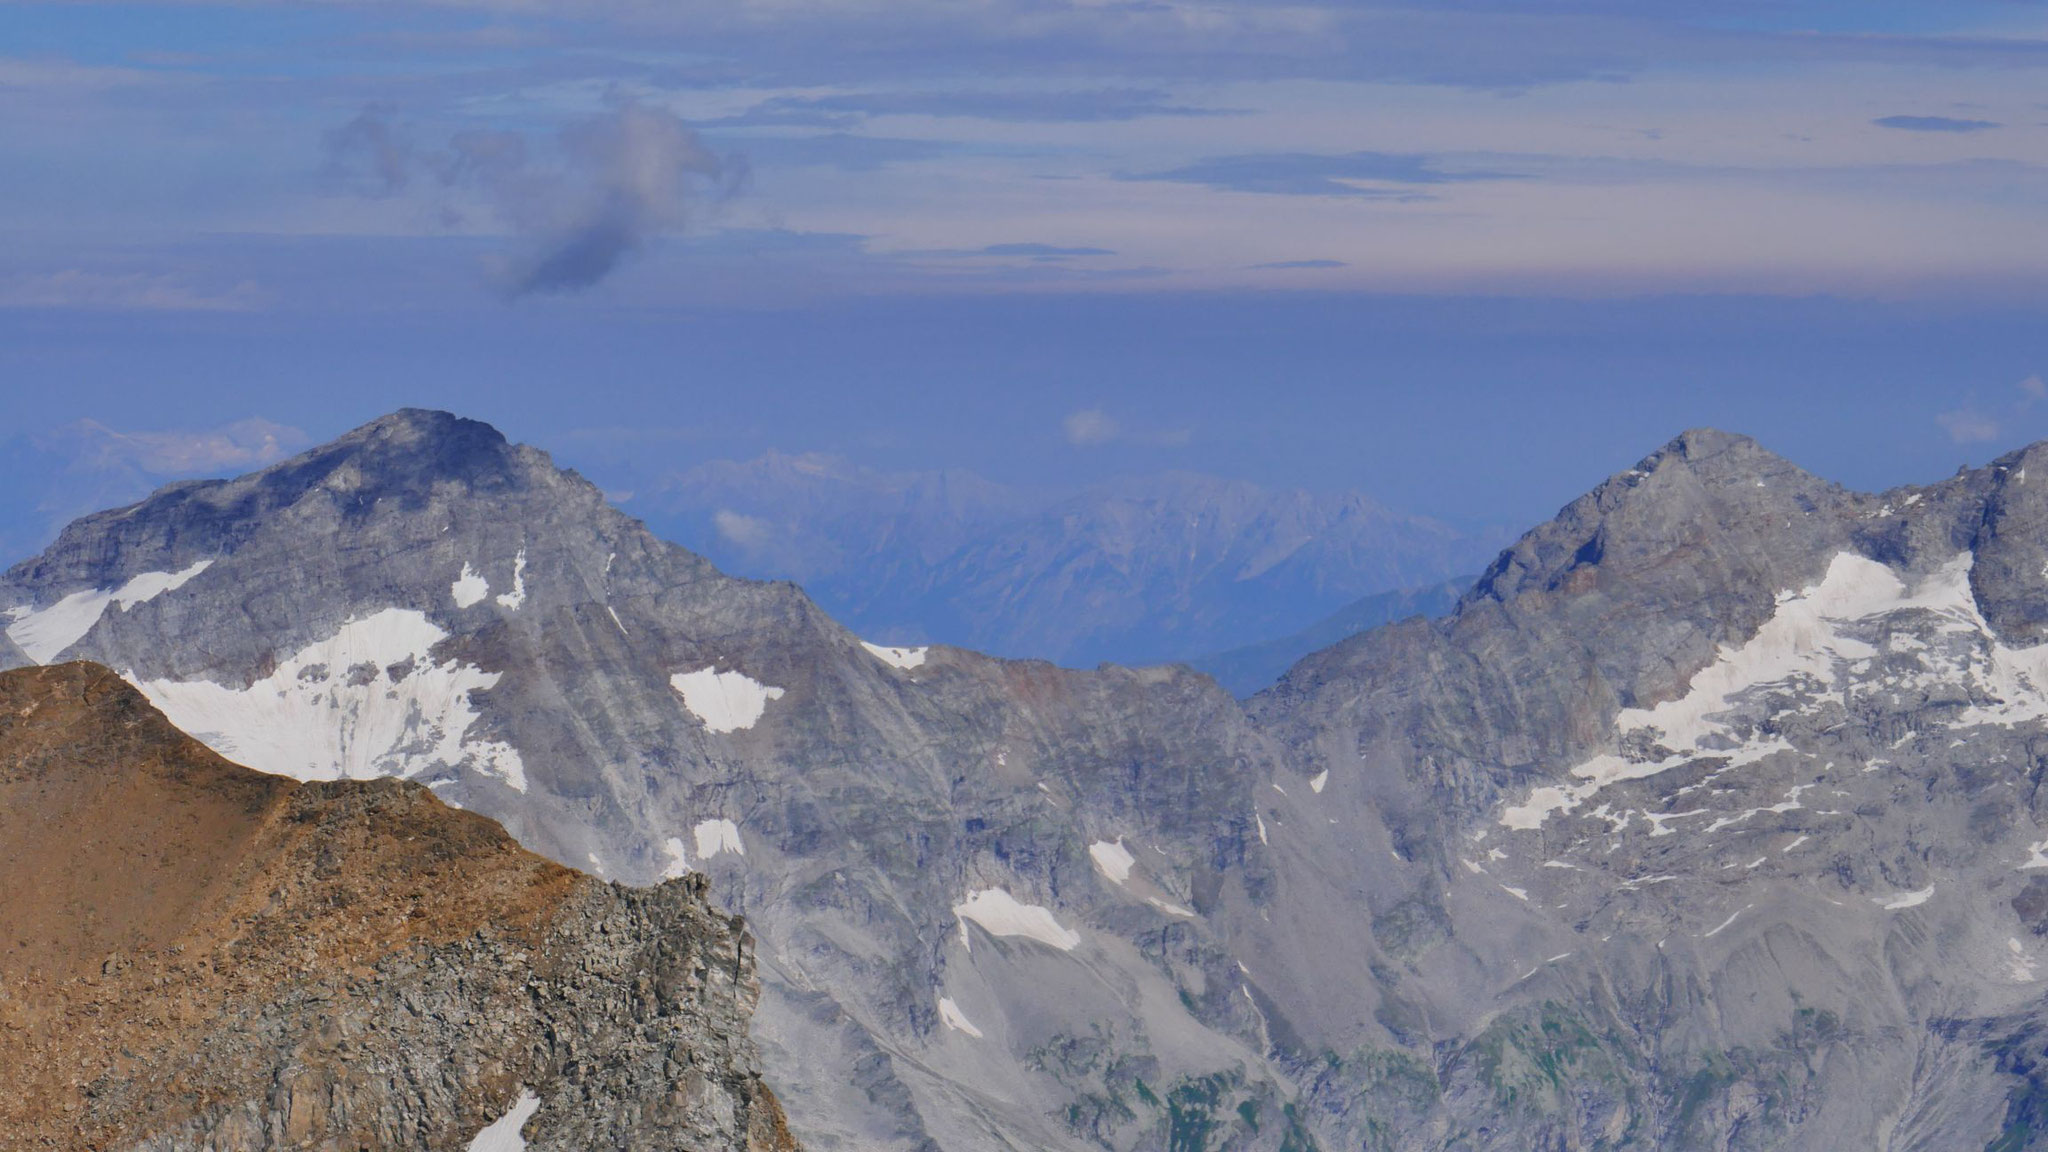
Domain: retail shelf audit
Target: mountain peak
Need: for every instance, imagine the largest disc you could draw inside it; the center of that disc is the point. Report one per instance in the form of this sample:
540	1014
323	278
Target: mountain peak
1705	488
404	456
409	444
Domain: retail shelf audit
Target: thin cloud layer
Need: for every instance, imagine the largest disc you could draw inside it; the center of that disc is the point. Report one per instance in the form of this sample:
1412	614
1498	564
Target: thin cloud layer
92	291
1374	175
1934	124
1080	106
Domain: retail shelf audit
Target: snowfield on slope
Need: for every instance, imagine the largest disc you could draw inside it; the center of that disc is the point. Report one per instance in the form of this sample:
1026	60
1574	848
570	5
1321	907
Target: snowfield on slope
368	701
1001	914
1806	643
45	634
724	701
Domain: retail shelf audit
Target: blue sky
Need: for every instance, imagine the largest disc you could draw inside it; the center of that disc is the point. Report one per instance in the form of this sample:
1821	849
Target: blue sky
1466	256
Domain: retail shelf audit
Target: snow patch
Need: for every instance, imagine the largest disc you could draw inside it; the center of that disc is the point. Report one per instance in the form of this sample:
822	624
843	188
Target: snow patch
1000	914
724	701
517	595
956	1019
368	701
469	588
715	836
1716	930
2019	966
904	658
45	634
678	859
1113	859
503	1133
1904	899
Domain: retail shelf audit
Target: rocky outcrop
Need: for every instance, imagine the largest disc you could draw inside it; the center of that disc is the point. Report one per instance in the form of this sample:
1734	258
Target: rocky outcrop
197	956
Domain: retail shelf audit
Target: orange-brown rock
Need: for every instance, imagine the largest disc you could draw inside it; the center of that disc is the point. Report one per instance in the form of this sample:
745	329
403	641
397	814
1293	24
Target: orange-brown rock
197	956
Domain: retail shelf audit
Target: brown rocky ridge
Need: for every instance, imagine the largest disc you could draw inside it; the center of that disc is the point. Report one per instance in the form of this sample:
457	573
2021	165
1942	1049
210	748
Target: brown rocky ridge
194	955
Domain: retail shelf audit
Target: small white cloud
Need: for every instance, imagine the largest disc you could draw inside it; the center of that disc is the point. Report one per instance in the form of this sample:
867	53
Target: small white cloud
1089	427
239	446
122	292
741	529
2033	388
1968	426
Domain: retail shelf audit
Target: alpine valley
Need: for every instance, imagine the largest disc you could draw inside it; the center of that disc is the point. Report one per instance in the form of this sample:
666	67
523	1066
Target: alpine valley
1711	817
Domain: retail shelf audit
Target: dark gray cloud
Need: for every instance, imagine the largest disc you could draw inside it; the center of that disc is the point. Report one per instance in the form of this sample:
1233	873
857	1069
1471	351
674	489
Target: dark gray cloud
1934	124
1373	175
605	188
630	176
846	109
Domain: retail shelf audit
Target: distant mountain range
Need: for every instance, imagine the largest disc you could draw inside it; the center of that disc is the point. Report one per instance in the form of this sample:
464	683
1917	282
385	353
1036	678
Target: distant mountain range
1140	570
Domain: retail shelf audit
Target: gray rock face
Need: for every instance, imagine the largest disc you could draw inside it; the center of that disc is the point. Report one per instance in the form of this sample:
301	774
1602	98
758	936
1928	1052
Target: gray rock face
1706	820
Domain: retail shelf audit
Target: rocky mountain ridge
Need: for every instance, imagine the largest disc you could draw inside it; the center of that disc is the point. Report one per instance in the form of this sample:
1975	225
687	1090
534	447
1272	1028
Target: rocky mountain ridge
1707	819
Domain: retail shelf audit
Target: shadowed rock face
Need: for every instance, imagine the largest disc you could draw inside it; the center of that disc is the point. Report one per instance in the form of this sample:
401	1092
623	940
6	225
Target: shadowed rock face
200	956
1711	817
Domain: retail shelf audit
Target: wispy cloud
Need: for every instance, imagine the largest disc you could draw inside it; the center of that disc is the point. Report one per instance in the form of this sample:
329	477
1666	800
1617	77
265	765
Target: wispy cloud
1934	124
842	150
1376	175
91	291
1035	252
1967	425
91	446
741	529
1287	265
1090	427
1088	105
1093	428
